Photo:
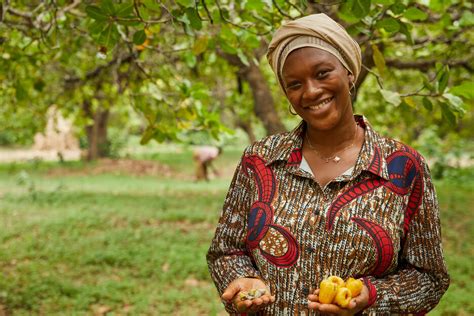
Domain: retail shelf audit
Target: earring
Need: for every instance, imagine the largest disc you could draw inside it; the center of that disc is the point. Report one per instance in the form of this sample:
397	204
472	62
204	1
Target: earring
291	110
353	88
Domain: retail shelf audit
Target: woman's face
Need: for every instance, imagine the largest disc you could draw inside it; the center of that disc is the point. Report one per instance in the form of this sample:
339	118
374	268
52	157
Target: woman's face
317	85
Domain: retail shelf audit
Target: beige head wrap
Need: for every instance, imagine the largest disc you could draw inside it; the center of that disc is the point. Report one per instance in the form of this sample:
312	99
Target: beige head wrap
317	30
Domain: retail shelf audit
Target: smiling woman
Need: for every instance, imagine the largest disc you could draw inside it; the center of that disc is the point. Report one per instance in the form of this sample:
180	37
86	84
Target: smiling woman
317	86
331	197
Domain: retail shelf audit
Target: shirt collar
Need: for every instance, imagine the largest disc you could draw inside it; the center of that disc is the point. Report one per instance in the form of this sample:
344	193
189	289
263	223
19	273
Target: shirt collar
289	148
371	157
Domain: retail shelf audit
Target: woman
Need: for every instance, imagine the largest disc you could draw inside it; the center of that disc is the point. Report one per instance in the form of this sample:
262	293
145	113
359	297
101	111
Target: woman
331	197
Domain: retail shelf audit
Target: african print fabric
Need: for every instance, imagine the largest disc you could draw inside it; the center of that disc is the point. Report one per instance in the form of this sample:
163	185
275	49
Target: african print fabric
381	223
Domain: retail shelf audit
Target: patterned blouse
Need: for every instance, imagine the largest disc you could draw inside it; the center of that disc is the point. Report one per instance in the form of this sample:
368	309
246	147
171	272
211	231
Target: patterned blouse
380	223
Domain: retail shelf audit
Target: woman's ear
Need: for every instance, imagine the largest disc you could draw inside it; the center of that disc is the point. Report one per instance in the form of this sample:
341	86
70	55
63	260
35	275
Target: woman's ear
351	77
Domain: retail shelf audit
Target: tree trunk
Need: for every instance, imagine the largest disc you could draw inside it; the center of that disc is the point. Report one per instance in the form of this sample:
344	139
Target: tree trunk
264	105
96	133
246	126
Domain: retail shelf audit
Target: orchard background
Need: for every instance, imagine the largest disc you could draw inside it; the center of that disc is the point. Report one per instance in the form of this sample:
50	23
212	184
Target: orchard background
125	229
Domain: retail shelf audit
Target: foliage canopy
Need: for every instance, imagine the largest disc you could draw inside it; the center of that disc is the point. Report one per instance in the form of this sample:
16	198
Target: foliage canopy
182	65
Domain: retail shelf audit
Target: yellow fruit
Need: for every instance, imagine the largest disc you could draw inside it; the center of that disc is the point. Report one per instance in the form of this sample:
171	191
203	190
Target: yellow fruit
355	286
336	280
327	291
343	297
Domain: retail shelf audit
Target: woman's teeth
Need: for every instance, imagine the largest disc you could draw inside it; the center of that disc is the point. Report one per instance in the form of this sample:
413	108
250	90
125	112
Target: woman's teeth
319	105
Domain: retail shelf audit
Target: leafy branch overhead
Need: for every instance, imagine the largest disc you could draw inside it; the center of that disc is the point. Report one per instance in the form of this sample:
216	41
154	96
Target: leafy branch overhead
184	64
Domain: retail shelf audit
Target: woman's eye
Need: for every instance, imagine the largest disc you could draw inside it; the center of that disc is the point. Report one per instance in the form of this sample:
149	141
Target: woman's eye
322	73
292	86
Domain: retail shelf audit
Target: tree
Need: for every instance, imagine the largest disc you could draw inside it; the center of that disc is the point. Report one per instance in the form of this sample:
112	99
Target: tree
172	60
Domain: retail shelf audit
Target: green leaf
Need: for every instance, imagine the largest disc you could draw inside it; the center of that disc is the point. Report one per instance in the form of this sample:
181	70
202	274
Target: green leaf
390	24
190	59
39	85
109	36
200	45
97	27
415	14
96	13
345	14
186	3
447	113
226	47
410	102
198	93
21	93
356	8
427	104
124	10
144	13
439	5
108	6
443	79
397	7
384	2
391	97
194	19
151	4
455	101
467	18
243	58
255	5
139	37
379	60
427	84
405	30
465	89
147	135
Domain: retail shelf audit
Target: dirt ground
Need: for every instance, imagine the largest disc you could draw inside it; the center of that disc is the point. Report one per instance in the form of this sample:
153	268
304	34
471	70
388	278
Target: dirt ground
17	155
101	166
120	166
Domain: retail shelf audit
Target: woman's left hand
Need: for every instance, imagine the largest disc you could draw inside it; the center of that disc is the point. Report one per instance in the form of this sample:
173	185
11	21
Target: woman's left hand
357	304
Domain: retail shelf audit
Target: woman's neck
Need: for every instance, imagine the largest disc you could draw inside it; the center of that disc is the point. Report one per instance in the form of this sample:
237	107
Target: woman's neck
332	140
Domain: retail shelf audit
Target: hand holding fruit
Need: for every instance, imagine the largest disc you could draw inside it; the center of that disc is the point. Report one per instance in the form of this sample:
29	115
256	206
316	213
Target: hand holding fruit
248	294
338	297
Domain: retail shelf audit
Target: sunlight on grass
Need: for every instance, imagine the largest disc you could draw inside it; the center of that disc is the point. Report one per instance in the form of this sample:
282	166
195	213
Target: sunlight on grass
77	243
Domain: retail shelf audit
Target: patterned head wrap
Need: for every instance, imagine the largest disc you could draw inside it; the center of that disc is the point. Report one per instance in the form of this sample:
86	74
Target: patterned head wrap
319	31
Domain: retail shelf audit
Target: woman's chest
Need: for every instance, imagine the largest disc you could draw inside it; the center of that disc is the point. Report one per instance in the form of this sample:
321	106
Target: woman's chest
353	227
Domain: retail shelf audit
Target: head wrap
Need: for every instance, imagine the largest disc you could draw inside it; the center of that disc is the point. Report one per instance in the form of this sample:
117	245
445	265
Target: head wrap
316	30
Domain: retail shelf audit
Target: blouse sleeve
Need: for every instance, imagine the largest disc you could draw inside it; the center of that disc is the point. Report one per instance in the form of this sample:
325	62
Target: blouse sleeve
422	278
228	258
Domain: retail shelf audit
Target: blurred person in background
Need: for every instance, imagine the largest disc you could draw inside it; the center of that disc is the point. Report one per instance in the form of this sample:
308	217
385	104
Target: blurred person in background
203	157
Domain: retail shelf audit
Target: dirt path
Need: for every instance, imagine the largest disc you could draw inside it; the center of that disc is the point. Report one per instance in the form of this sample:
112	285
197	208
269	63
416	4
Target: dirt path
17	155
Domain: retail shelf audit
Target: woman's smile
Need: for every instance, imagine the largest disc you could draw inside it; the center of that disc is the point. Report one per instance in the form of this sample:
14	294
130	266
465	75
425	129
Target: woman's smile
320	105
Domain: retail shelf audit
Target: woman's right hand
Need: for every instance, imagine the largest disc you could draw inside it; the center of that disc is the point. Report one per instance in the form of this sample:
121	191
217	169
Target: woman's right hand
231	295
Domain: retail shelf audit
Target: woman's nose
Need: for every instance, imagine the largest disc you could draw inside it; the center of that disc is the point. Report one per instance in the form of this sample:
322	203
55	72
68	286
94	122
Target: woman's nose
312	91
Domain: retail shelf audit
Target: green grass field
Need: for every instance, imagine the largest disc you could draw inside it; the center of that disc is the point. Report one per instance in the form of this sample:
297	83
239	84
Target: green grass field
76	241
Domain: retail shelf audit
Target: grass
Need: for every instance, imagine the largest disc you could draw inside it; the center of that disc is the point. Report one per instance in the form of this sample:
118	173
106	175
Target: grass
80	244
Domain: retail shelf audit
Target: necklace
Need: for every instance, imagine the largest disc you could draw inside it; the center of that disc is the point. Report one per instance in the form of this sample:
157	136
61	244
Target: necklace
334	158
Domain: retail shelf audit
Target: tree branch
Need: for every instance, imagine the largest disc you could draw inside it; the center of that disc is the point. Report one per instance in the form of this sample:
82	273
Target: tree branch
70	81
435	40
36	22
207	11
425	65
234	24
280	10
